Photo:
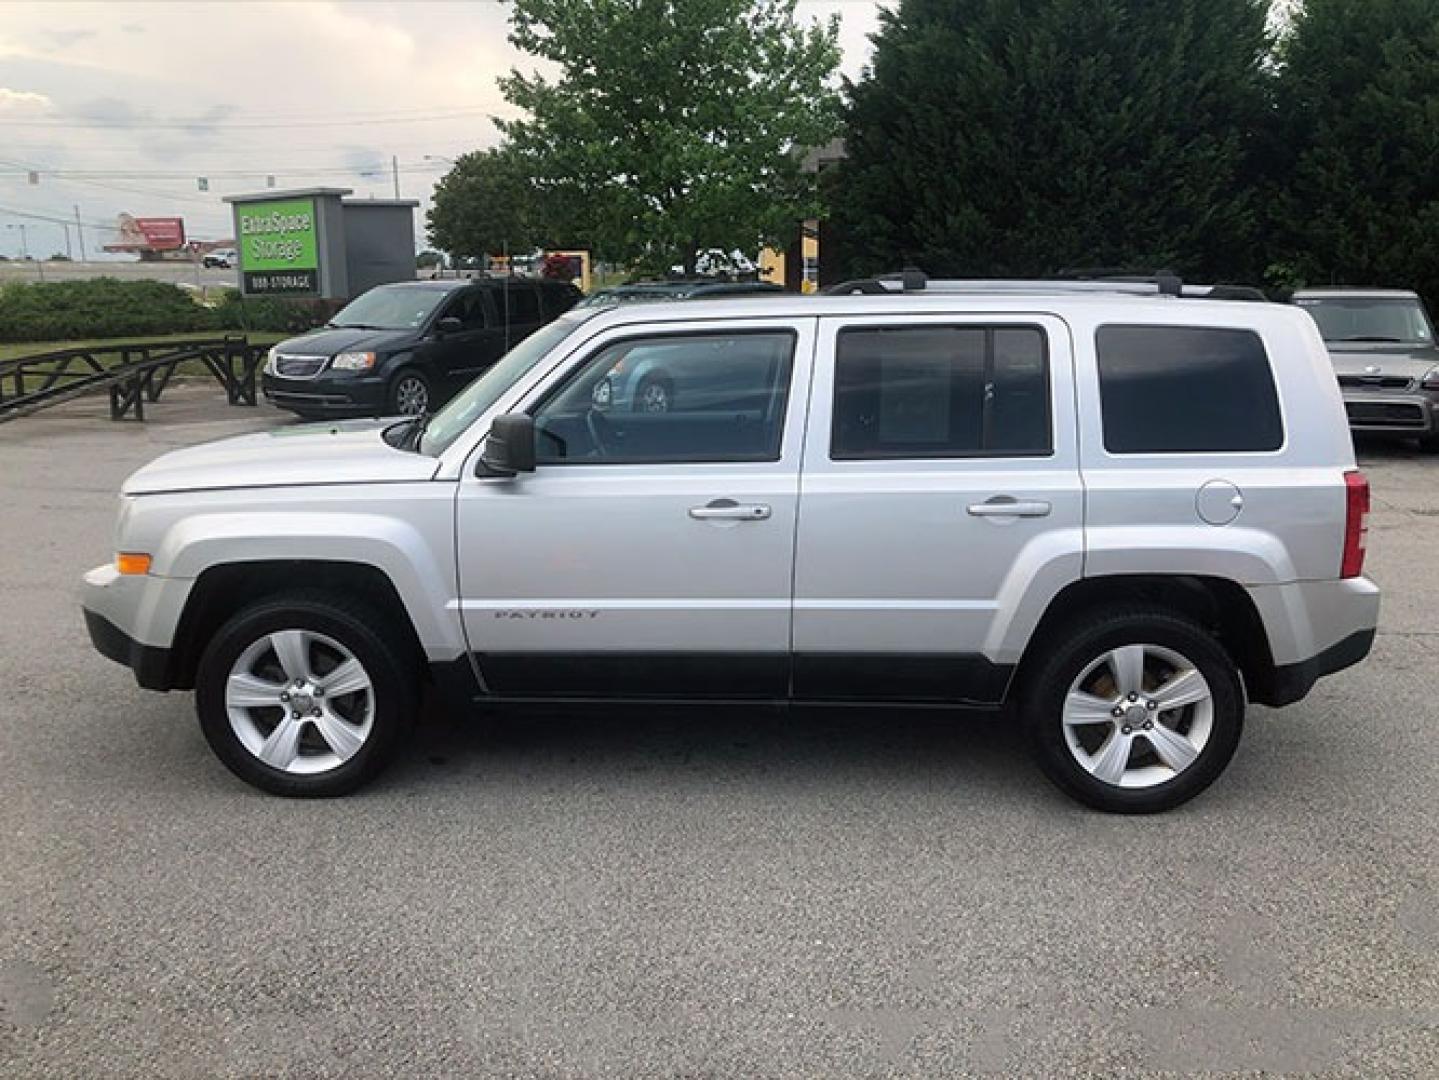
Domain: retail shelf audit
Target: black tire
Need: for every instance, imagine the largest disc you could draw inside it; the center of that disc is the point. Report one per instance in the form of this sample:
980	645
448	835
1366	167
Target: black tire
1068	652
408	381
390	664
654	384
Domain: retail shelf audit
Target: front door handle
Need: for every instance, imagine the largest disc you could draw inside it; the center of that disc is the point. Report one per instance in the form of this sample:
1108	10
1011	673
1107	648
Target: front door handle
1009	506
729	510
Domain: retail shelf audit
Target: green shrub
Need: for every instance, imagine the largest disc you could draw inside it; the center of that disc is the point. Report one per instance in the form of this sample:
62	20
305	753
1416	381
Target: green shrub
97	308
270	314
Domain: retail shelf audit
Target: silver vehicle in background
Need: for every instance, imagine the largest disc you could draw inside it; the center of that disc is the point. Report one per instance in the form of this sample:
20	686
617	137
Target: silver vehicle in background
1385	356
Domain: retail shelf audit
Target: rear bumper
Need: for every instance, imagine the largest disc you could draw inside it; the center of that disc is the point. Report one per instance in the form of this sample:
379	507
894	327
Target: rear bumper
1315	628
357	396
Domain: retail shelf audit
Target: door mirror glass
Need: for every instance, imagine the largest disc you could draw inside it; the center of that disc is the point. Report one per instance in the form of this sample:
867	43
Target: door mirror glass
510	446
449	325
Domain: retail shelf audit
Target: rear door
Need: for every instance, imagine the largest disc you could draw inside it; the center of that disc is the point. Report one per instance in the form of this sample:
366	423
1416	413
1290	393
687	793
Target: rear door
940	481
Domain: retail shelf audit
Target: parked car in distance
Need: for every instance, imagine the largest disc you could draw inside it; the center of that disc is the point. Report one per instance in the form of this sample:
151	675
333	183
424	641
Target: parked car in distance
406	348
1385	357
1124	515
223	258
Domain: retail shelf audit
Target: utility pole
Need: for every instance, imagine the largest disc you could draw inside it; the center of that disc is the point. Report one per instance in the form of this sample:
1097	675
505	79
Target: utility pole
80	231
395	170
69	253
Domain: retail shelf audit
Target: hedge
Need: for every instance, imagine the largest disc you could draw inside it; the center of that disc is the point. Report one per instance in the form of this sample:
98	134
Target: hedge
109	308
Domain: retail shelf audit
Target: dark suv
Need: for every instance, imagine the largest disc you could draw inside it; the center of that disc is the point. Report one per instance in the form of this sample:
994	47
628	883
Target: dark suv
408	347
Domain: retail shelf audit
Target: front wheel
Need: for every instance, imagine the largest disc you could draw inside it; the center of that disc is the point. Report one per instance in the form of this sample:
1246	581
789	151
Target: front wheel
409	394
1134	711
299	695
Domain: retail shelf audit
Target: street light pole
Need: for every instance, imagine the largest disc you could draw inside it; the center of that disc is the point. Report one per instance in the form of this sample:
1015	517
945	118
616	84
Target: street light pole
80	232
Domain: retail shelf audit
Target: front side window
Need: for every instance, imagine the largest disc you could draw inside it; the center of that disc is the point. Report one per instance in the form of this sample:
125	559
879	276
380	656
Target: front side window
672	398
1186	389
469	308
940	391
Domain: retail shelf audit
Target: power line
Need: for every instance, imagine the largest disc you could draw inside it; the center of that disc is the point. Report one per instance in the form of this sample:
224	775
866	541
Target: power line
219	125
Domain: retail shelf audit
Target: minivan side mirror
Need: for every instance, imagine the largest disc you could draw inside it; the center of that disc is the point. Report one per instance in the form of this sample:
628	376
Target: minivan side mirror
449	325
509	447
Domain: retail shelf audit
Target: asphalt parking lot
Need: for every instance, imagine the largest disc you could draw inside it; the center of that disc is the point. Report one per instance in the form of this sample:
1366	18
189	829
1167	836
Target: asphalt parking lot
697	893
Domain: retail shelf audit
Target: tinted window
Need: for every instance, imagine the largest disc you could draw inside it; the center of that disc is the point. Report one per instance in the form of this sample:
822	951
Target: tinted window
1364	318
469	308
675	398
940	391
559	298
523	302
1186	389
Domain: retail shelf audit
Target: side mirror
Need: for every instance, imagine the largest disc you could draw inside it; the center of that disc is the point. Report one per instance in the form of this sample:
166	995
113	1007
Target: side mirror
449	325
509	447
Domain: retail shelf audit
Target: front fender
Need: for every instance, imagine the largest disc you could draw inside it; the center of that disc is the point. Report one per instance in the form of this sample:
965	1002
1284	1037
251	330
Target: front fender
415	552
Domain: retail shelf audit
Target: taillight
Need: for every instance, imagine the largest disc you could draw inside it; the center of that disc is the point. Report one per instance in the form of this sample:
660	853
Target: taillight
1356	523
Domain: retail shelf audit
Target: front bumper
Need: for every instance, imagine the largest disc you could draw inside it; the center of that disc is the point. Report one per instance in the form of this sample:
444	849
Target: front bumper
150	664
124	614
1389	412
359	395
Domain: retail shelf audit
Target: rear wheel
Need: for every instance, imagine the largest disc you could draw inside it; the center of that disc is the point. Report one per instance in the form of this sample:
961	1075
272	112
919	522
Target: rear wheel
654	395
299	695
1134	711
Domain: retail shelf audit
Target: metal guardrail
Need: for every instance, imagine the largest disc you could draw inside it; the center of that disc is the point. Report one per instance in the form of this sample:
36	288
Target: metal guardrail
132	373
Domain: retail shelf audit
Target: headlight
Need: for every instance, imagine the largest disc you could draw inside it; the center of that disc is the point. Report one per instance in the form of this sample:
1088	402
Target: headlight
272	358
1431	380
354	361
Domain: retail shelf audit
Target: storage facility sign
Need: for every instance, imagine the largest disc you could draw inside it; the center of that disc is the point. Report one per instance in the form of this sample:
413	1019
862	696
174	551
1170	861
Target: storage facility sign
279	249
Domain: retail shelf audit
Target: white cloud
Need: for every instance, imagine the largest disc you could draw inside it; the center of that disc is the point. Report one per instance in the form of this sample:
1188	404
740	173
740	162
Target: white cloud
310	93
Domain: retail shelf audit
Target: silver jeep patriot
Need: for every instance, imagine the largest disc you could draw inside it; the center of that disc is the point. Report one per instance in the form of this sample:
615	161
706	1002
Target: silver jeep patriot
1123	514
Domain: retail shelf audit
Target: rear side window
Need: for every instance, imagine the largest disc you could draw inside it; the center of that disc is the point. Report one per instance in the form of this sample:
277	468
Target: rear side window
1186	389
523	302
940	391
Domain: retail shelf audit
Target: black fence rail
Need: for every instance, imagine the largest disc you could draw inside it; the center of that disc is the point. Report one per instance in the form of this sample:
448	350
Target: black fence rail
133	374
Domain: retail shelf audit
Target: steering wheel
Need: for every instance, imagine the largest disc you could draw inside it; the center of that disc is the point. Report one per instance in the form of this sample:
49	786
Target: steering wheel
594	422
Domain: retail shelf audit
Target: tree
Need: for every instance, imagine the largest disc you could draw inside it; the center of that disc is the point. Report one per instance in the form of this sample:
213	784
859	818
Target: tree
1021	137
486	204
673	125
1359	89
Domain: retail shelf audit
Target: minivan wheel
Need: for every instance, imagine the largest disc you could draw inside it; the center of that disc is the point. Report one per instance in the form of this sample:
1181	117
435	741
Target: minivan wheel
1136	711
300	696
409	394
654	395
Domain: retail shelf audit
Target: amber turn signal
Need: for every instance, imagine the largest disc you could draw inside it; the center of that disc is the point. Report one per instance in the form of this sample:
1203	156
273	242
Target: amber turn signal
129	562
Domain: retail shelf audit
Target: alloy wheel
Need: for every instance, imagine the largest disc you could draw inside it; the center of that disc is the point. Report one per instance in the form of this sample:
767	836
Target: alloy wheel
1138	716
300	702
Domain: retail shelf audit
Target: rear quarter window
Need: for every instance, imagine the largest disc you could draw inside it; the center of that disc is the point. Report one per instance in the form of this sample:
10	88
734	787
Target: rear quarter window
1186	390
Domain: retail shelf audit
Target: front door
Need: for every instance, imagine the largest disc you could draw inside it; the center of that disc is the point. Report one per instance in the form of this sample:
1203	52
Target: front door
940	481
651	552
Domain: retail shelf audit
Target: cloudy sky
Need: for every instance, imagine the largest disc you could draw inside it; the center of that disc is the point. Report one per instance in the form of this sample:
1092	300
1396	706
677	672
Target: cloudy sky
121	106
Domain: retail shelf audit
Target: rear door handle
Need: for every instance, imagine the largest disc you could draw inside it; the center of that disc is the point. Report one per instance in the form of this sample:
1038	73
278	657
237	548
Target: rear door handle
1009	506
729	510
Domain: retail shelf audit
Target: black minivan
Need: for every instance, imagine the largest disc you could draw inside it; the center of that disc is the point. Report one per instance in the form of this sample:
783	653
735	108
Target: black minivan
408	347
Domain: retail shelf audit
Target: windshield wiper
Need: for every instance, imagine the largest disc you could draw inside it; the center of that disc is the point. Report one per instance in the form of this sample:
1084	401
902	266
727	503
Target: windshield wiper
1375	338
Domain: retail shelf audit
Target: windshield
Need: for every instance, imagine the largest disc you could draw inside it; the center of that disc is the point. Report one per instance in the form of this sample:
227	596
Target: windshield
391	307
450	422
1399	319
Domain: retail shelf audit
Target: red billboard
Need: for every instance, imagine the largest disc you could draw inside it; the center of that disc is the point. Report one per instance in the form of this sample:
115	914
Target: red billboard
162	233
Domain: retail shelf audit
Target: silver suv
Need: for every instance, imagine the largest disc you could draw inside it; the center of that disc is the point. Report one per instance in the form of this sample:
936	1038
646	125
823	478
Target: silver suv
1384	353
1123	514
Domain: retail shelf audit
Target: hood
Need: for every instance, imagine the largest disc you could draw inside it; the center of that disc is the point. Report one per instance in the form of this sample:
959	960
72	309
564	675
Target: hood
342	452
328	342
1357	358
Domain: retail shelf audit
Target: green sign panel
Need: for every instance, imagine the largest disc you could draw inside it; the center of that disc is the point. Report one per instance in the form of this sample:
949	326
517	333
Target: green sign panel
279	251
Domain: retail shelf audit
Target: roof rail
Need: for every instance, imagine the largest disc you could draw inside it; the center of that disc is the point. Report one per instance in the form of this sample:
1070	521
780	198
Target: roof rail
1162	283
